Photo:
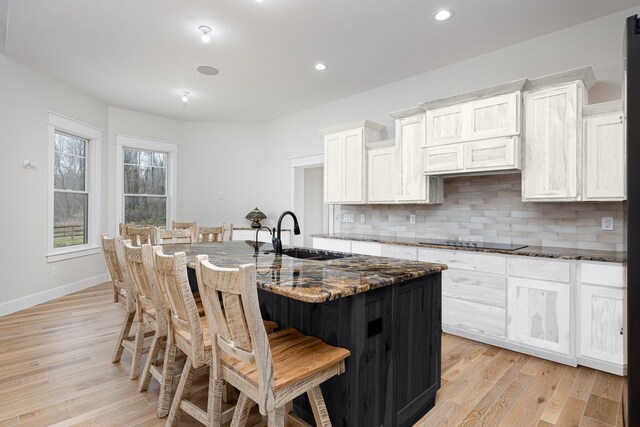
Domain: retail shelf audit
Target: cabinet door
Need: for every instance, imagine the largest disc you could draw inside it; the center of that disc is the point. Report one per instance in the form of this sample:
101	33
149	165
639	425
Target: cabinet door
445	125
398	251
381	176
366	248
333	168
601	323
494	117
539	314
443	159
491	154
353	168
551	143
337	245
605	162
411	182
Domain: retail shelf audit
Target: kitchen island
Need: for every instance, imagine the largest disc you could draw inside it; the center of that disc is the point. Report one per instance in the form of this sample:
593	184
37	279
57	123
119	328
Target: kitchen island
387	312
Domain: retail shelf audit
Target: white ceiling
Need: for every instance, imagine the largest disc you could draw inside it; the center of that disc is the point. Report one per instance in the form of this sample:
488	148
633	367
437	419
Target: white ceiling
139	54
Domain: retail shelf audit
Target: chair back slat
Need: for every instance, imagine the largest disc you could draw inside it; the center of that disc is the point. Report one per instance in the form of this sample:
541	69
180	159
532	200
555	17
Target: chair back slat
122	229
210	235
183	225
113	249
139	261
141	235
171	274
179	235
230	299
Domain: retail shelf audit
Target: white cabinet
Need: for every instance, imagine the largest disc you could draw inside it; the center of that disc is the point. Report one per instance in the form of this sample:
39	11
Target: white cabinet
491	117
480	136
411	185
337	245
604	157
366	248
381	173
400	251
539	314
552	140
345	162
601	324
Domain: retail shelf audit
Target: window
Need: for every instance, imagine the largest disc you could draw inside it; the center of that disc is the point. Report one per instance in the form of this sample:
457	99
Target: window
145	187
145	181
74	188
70	194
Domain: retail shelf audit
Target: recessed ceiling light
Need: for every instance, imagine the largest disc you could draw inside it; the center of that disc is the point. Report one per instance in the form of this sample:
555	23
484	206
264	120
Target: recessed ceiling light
320	67
185	96
205	30
208	71
443	14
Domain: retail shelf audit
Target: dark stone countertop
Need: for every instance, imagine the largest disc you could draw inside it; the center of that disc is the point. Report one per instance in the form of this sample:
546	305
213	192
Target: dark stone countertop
309	280
533	251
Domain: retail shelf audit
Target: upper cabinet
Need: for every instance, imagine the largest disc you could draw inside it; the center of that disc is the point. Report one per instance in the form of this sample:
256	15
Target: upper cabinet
411	184
573	152
552	138
345	161
474	133
604	152
381	172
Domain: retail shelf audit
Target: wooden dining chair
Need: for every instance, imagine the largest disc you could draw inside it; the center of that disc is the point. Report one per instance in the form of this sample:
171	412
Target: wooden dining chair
227	232
114	256
269	370
151	309
210	235
178	225
141	235
122	229
178	235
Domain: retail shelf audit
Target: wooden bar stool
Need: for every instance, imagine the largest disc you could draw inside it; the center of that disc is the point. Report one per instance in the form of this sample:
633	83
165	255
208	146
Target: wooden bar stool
151	310
270	370
177	225
179	235
114	256
141	235
210	235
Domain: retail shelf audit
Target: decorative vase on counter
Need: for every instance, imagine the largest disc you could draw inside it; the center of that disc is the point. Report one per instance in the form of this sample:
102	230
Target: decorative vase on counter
256	216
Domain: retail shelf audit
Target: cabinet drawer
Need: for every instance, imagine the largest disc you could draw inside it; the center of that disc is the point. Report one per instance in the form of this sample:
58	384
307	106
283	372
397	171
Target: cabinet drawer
445	159
366	248
492	153
402	252
483	288
544	269
332	244
473	317
604	274
465	260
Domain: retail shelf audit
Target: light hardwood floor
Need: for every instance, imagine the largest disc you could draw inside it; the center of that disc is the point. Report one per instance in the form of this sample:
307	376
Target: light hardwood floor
55	369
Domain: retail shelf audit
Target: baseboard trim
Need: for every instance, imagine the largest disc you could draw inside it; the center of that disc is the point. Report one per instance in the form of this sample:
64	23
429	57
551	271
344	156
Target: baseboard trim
44	296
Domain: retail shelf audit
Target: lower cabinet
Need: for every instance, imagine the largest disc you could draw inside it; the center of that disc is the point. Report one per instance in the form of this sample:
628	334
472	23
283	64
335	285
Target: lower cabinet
539	314
336	245
399	251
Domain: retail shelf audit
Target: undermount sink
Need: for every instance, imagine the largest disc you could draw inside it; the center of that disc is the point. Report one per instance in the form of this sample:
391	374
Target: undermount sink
313	254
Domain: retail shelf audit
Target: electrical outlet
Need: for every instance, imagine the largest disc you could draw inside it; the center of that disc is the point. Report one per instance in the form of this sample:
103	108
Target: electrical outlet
412	219
607	223
348	218
362	218
220	195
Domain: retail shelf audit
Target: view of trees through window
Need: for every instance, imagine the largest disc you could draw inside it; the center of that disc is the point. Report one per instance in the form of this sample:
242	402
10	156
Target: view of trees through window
145	187
70	196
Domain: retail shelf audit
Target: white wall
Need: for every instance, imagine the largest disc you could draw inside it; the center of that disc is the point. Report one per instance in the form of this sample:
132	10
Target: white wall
313	203
232	158
26	97
597	43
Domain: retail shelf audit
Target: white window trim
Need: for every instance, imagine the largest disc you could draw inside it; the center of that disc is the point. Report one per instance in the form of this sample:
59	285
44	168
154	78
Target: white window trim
140	143
94	150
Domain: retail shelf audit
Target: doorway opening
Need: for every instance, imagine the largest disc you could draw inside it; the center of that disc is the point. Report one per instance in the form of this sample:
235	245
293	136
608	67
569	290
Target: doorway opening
307	193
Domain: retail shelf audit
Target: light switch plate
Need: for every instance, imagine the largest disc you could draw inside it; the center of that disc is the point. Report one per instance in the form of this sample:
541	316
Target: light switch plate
607	223
220	195
412	219
362	218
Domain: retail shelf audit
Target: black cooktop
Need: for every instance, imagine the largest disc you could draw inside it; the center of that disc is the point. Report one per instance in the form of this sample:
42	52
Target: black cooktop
478	245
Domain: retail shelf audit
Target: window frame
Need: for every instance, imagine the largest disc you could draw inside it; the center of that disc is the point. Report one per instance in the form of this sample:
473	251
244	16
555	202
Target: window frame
93	151
139	143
